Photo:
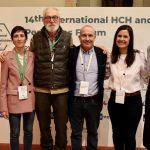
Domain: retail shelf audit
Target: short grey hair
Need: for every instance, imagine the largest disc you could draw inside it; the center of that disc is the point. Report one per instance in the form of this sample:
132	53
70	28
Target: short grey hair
50	9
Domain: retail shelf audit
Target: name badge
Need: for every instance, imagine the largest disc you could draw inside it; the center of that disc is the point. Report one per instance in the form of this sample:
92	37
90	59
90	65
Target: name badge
22	90
84	87
120	96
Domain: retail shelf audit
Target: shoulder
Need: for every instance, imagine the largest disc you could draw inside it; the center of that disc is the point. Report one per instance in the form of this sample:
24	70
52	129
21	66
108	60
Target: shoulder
39	33
148	49
8	56
66	34
99	51
101	57
73	52
30	53
140	54
74	49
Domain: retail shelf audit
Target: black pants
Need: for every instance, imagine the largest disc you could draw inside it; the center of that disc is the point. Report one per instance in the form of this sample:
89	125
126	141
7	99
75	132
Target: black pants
125	119
43	105
90	111
146	133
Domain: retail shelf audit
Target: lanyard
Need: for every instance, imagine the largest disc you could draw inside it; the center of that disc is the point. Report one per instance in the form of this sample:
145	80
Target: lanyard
89	63
52	44
21	68
52	47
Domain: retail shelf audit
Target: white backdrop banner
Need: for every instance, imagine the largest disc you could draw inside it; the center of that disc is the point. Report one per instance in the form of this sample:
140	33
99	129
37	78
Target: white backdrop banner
104	20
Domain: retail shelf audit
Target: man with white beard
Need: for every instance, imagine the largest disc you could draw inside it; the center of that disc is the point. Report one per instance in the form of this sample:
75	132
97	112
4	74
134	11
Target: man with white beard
51	48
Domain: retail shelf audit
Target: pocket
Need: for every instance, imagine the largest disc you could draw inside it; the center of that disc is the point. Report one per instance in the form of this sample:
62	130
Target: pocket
12	100
11	92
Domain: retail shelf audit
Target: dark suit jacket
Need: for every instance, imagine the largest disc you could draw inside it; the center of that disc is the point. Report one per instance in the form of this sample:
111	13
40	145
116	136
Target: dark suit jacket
146	133
101	60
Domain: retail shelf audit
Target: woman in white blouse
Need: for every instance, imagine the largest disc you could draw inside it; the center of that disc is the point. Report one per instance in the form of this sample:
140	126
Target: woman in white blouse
128	72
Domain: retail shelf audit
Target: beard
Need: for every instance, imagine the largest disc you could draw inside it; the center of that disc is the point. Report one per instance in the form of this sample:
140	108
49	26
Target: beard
50	28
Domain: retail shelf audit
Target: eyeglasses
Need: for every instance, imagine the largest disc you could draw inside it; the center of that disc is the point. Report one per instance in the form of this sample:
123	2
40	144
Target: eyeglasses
48	18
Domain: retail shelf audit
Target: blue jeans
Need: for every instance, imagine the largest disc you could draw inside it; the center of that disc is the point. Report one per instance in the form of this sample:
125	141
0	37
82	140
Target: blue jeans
89	110
14	121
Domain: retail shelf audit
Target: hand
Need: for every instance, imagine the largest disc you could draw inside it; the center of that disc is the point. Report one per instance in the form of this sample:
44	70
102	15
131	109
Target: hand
5	114
105	50
3	55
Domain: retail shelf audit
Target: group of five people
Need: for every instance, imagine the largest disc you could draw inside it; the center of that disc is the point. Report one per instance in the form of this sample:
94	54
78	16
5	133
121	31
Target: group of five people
55	73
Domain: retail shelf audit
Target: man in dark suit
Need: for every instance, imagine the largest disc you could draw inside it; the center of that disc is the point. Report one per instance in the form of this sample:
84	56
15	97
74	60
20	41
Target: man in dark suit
87	68
146	133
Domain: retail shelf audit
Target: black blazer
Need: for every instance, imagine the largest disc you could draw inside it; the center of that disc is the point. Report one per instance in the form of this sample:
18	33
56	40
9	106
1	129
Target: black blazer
101	60
146	132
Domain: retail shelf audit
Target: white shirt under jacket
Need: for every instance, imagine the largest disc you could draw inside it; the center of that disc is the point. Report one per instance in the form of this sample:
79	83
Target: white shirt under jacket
128	79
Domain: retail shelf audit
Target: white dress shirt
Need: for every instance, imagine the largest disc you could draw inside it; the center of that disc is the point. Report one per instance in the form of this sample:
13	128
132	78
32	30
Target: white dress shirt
128	79
90	76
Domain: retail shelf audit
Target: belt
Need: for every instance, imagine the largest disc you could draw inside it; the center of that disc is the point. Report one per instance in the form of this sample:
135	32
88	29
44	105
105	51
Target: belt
88	98
129	94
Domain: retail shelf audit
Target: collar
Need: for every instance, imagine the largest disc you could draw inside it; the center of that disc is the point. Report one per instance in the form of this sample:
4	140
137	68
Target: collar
59	31
87	52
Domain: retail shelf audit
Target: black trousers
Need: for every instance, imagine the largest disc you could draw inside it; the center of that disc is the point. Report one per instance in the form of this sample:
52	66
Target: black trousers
59	103
90	111
125	119
146	132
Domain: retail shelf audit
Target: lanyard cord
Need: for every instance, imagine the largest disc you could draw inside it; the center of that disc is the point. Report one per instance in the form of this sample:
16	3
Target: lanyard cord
21	68
52	45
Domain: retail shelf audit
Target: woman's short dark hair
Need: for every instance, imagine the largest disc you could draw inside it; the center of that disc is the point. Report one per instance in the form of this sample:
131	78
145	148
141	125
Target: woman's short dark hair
18	28
130	52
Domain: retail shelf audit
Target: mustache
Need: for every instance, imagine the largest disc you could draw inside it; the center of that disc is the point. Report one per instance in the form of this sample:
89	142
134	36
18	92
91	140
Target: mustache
51	28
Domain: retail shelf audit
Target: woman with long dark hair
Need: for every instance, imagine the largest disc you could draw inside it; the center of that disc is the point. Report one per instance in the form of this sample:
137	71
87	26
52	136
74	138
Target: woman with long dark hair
128	71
